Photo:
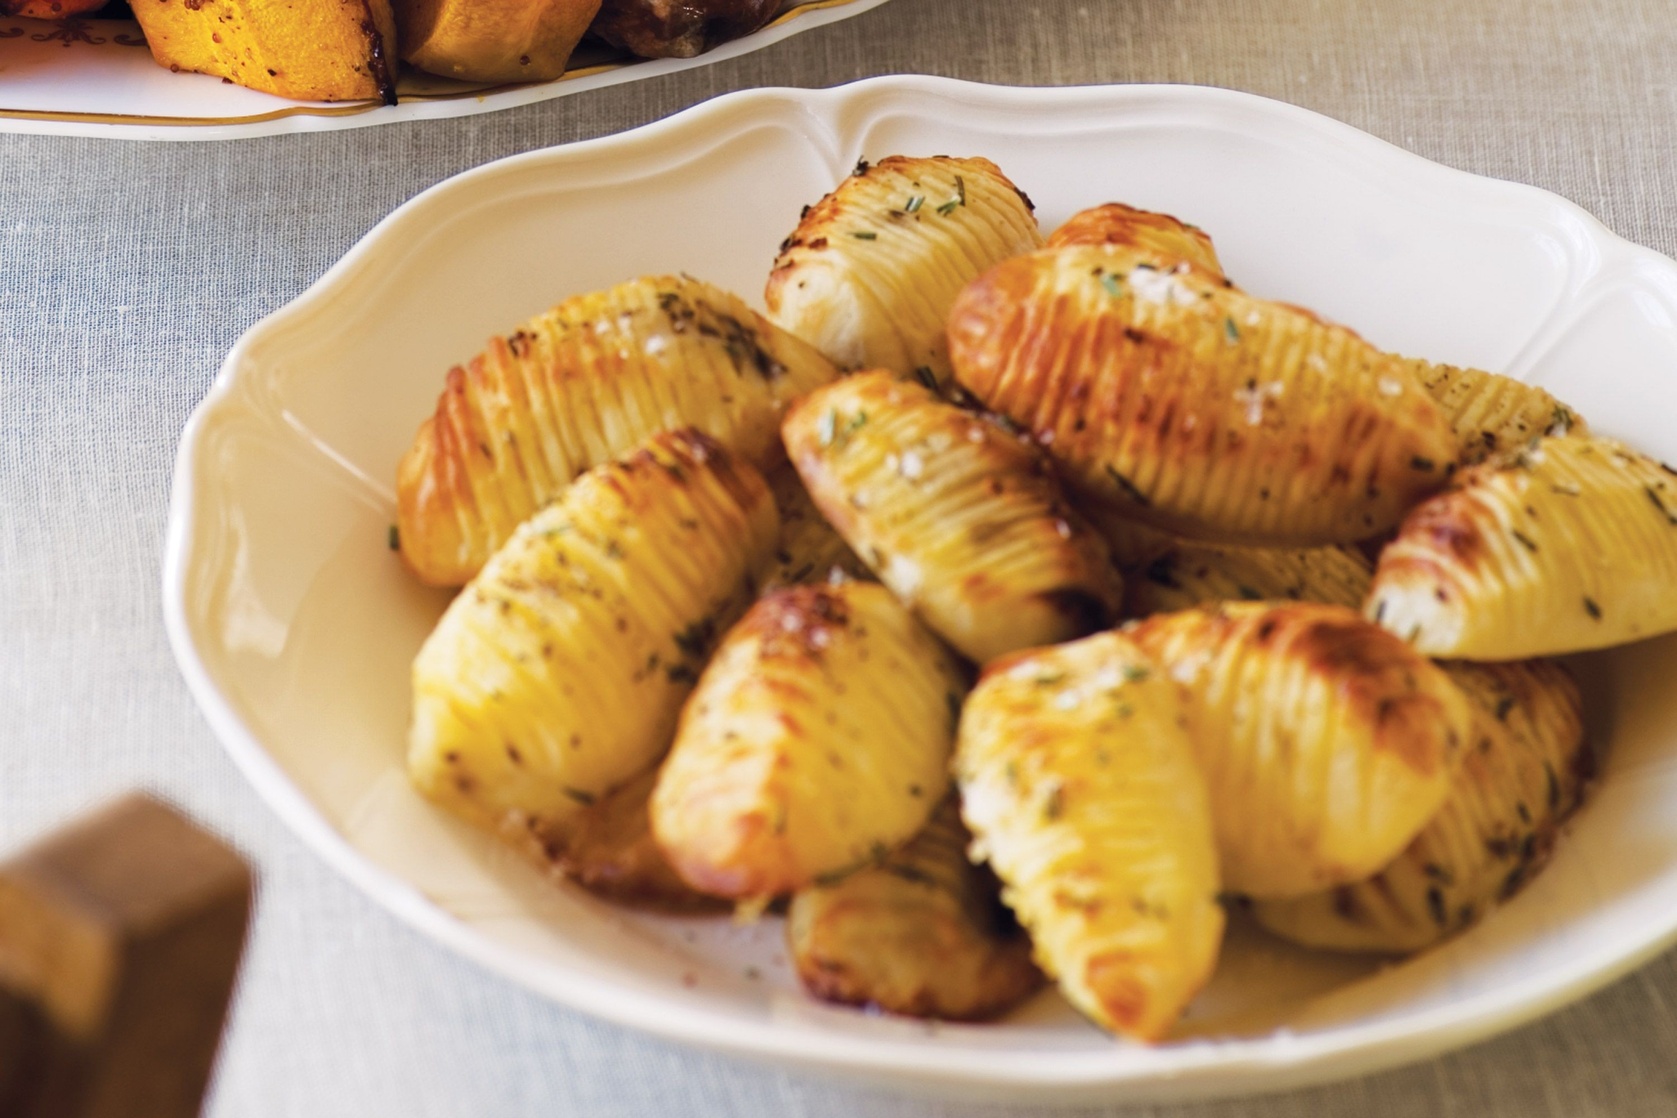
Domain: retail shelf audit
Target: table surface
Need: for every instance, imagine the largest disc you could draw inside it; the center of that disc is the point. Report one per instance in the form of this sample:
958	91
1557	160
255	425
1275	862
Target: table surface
127	270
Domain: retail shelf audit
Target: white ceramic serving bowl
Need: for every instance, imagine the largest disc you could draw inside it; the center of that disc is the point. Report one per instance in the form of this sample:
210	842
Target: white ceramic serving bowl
294	624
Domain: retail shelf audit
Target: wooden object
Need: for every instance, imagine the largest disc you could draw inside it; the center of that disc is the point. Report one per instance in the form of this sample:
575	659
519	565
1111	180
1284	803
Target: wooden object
120	939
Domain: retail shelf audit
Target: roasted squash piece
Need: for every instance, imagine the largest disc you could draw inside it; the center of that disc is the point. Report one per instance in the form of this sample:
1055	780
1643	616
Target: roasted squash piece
1194	407
558	674
816	742
962	520
924	934
1160	237
577	386
1327	744
1493	414
1082	789
493	40
870	272
1570	546
311	50
1524	772
1190	574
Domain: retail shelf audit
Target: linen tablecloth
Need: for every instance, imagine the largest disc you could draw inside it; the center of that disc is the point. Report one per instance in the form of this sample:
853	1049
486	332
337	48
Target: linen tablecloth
127	270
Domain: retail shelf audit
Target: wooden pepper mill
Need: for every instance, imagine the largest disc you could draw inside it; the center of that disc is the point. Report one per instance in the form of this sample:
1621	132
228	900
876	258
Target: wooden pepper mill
120	939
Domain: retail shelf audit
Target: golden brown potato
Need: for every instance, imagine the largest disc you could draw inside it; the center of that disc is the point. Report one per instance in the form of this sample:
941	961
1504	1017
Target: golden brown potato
872	269
816	742
1491	413
559	673
1523	774
924	934
493	40
1192	574
809	550
1079	782
607	848
679	28
1196	408
962	520
577	386
1157	236
1571	546
1326	742
312	50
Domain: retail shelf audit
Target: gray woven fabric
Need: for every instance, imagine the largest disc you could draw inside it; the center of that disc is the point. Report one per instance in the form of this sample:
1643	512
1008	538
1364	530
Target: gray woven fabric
127	270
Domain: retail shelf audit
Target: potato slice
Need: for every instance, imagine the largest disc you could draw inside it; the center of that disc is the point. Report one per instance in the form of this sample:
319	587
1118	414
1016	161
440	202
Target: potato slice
1524	773
925	934
1491	413
961	519
809	550
1078	779
1192	574
493	40
559	673
607	848
870	272
1157	236
1326	742
345	50
578	386
1197	408
817	742
1571	546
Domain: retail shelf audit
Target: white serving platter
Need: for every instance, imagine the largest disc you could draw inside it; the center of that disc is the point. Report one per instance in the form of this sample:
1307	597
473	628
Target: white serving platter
94	77
294	625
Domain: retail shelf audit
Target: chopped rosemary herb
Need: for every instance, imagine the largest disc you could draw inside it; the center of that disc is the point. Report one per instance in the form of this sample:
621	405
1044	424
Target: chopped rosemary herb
948	207
394	538
1135	673
1128	486
924	374
865	235
1525	541
1231	331
914	203
960	190
1591	608
1653	495
1114	287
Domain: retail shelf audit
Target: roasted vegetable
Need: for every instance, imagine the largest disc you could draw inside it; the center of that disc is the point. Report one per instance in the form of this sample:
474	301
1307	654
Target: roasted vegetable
809	550
1079	782
578	386
1571	546
679	28
1524	772
1491	413
870	272
1194	407
1160	237
311	50
816	743
923	934
1196	574
1326	742
493	40
558	674
960	519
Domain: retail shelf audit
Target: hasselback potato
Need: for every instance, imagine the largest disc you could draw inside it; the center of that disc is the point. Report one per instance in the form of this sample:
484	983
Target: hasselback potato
1571	545
923	934
1326	742
1493	414
816	742
960	518
559	673
578	386
1080	785
1195	407
870	272
1524	771
1158	236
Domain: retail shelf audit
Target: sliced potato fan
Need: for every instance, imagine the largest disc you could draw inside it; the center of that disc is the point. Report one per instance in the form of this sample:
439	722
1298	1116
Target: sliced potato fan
923	934
559	673
961	519
578	386
1192	574
870	272
1523	773
1326	742
1491	413
1078	780
816	742
1571	546
1194	407
1159	237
